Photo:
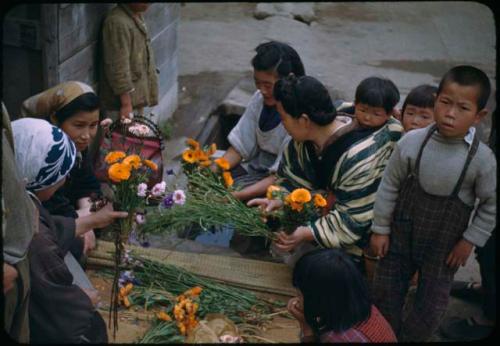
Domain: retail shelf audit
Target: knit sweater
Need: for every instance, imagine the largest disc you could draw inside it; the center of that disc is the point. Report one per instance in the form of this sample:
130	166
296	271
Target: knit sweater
440	167
374	329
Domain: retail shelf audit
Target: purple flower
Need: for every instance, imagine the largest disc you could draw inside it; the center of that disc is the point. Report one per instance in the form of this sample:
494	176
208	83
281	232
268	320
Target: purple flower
168	201
179	197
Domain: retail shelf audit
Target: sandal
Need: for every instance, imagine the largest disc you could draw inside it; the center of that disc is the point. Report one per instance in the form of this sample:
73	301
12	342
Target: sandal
460	329
464	290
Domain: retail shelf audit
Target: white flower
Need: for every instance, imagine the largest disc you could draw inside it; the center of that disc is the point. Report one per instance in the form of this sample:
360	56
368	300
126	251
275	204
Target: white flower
141	190
159	189
179	197
140	219
139	130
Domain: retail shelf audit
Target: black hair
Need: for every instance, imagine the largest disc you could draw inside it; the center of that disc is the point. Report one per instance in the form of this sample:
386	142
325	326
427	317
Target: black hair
377	92
467	75
422	96
86	102
336	295
279	57
305	95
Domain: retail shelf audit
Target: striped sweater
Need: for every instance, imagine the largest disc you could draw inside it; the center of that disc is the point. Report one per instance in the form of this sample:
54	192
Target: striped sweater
351	168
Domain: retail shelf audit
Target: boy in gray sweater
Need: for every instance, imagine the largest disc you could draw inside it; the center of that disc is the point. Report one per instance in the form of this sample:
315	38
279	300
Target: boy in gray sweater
424	203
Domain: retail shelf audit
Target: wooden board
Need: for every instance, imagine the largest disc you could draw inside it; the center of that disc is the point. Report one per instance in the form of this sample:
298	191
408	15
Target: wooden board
247	273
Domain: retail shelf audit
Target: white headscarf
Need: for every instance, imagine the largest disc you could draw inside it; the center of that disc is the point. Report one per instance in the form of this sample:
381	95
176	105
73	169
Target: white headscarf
44	153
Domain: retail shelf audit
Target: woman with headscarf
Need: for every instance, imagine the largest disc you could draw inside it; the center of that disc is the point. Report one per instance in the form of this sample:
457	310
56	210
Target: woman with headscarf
60	312
73	107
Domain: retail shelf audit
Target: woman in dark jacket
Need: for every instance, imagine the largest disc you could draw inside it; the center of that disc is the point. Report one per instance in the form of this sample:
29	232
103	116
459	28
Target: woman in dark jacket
59	311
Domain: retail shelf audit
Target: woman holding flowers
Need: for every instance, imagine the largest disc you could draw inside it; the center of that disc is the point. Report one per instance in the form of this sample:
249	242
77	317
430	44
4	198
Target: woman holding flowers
74	108
60	311
258	138
332	153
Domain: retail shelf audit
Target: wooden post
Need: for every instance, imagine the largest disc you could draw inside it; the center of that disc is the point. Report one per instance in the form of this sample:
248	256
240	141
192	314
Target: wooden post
50	50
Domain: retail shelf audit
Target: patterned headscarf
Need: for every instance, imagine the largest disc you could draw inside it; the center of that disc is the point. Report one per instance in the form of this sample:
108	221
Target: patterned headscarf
48	102
44	153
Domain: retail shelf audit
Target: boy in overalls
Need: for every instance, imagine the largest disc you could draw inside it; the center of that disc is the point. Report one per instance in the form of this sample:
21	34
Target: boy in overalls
424	203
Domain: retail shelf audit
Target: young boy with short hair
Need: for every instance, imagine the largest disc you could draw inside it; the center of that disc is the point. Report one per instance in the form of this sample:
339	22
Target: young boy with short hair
418	108
374	101
424	203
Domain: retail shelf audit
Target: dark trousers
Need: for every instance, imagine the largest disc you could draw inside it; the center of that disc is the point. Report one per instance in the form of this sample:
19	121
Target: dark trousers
487	266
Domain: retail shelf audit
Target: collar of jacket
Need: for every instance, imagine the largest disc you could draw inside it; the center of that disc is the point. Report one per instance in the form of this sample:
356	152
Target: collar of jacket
138	19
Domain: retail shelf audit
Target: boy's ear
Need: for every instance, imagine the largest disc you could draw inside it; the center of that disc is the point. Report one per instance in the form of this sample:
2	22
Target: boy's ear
480	115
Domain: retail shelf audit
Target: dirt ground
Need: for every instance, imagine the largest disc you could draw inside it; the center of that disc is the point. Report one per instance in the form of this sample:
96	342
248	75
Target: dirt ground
134	322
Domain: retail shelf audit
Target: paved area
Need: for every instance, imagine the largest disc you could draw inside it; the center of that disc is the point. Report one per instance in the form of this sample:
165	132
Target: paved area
409	42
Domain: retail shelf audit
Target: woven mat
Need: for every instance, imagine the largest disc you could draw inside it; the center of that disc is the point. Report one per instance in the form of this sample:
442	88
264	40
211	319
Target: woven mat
256	275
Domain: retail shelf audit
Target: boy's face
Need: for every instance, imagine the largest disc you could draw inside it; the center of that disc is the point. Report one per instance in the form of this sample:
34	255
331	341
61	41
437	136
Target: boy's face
369	116
417	117
264	81
455	110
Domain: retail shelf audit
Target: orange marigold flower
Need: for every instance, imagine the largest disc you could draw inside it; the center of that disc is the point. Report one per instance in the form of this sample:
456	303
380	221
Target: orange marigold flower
151	164
319	201
200	155
163	316
118	172
300	196
205	163
189	156
296	206
114	156
126	302
128	288
133	160
222	163
228	179
193	144
212	149
270	190
195	291
288	199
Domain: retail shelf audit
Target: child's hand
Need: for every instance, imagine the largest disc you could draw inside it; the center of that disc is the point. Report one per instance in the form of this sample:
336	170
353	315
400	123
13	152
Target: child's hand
379	244
460	253
296	309
288	242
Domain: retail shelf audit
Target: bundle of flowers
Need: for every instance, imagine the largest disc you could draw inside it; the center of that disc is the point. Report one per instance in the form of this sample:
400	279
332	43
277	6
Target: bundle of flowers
208	201
299	207
196	159
183	298
128	174
208	205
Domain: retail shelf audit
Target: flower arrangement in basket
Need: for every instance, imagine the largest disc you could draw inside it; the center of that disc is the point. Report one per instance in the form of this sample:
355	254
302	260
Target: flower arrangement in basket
140	136
299	208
